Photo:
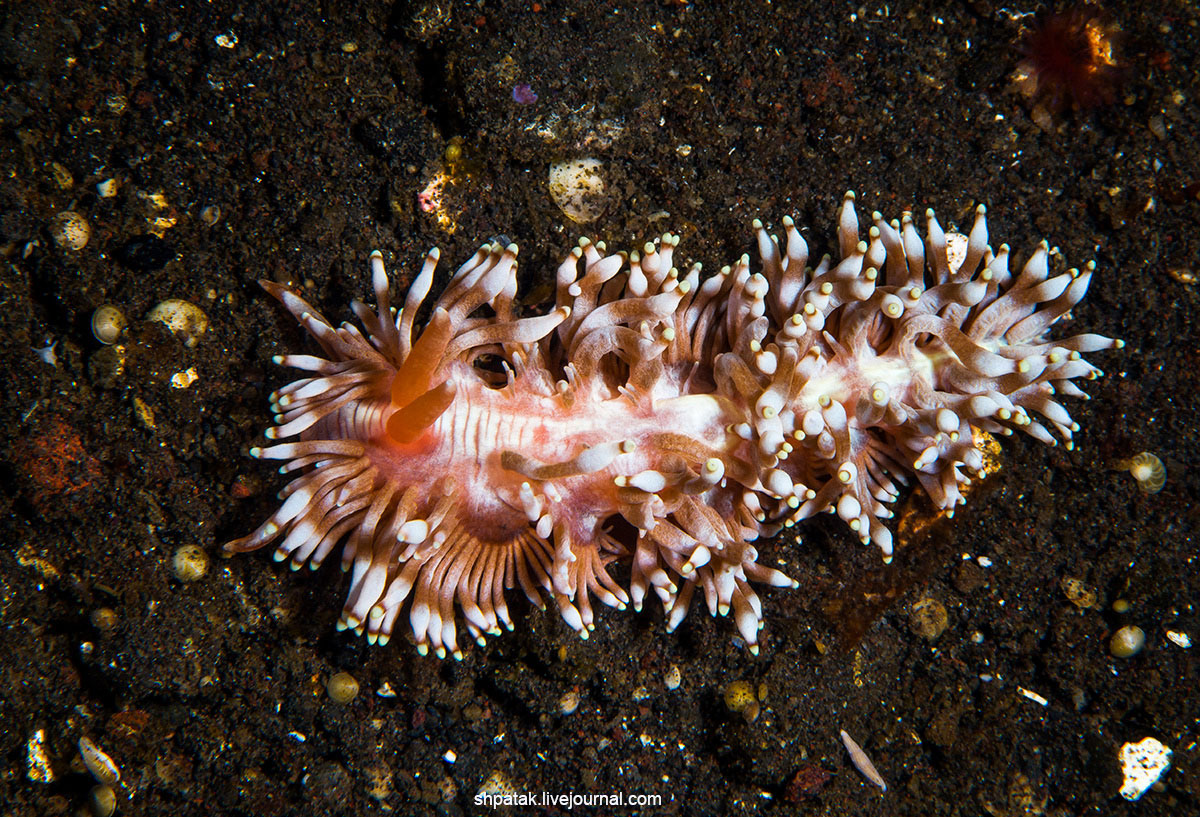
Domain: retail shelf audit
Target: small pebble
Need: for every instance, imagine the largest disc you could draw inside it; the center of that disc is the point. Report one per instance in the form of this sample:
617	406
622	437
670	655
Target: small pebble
103	801
210	215
190	563
107	188
673	678
184	319
928	618
522	94
108	322
104	619
740	698
342	688
1158	126
1127	642
70	230
64	177
568	703
1142	764
1179	639
1078	593
185	379
497	785
578	188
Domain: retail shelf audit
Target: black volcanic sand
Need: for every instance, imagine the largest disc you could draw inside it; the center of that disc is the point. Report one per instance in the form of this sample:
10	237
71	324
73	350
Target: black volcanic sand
298	143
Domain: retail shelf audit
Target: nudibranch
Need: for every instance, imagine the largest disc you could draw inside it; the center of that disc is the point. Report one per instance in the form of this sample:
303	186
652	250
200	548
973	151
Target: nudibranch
654	418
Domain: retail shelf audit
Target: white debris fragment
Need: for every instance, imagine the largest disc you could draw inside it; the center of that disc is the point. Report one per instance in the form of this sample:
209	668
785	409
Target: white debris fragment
1033	696
1179	638
1142	764
38	769
46	353
863	763
184	379
102	767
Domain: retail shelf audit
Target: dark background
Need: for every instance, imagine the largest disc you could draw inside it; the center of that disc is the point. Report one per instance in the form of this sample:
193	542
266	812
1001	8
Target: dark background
312	136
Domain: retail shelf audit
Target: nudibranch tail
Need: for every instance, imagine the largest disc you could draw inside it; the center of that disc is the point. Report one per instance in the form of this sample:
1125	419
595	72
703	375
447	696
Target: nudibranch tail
654	418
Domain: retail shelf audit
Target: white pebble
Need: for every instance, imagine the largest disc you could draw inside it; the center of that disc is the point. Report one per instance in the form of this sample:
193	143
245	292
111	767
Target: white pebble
1142	764
578	189
183	319
70	230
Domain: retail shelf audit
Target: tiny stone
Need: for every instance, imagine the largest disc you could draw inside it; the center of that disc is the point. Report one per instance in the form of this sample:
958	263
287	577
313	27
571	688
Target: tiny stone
183	318
1127	642
108	322
70	231
740	698
210	215
568	703
104	619
103	801
62	176
673	678
190	563
928	619
1158	126
1078	593
342	688
578	188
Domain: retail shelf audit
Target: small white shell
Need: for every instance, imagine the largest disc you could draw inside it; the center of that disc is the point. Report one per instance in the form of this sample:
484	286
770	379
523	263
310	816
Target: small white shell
70	230
183	318
108	322
1148	470
578	189
99	764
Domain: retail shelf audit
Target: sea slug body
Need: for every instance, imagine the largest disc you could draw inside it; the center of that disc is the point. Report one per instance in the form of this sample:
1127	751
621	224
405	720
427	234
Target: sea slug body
654	418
